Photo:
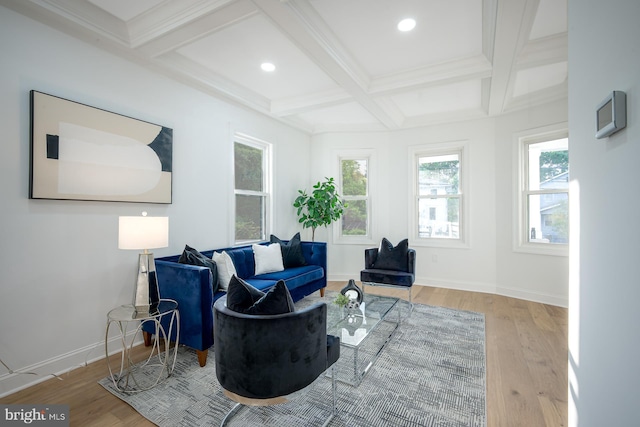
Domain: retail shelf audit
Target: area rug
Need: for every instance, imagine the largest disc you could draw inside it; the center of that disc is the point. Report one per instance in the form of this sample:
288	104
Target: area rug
431	373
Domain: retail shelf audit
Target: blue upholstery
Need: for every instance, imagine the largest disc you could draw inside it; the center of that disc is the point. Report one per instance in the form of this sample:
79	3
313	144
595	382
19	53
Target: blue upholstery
191	286
403	275
390	277
263	357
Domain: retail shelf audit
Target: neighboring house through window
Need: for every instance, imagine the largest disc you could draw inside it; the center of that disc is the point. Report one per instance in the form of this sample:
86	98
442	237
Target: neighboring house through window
438	210
252	170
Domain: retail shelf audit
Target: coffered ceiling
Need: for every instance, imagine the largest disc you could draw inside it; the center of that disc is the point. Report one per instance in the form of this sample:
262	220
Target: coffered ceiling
340	64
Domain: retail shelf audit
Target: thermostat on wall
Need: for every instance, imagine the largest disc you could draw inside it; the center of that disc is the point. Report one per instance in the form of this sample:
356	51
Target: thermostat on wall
611	114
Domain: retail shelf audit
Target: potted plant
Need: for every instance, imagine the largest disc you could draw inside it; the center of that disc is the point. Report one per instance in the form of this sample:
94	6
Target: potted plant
341	300
321	207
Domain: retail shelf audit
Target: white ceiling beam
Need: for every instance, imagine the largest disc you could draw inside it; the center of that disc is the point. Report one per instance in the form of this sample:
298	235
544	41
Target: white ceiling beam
198	28
214	83
317	27
318	49
548	50
540	97
308	102
169	16
472	68
80	19
514	20
489	16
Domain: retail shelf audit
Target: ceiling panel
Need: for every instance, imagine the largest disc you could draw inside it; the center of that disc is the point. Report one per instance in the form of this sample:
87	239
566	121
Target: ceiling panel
237	51
444	31
340	64
344	114
461	96
538	78
551	18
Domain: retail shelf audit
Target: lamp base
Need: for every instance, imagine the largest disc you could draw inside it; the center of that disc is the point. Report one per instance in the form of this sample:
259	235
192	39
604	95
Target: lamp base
146	294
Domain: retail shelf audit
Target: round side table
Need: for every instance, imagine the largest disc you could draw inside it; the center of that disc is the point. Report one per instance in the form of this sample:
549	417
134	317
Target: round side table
161	361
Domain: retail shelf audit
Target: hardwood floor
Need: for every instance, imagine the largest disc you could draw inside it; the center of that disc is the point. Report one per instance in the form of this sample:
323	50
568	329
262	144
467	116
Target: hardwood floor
526	345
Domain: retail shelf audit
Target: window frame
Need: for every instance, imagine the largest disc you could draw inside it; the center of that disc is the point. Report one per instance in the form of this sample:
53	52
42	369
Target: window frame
522	192
369	156
460	148
267	186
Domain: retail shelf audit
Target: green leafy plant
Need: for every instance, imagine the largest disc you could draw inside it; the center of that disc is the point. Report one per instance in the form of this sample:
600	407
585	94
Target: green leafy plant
321	207
341	300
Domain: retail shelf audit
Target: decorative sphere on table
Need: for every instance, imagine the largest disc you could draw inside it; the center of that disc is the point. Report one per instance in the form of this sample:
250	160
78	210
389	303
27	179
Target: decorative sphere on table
353	304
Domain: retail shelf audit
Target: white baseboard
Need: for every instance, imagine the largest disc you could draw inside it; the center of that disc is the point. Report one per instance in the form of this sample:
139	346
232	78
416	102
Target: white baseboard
57	366
438	283
488	288
534	296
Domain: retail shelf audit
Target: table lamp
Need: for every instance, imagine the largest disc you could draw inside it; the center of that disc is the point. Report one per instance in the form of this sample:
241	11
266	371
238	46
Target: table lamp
144	233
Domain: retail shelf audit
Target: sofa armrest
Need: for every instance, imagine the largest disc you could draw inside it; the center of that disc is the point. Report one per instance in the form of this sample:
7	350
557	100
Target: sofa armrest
192	287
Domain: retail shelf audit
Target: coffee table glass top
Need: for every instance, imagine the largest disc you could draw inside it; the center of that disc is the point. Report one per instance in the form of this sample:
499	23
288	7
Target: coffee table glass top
354	325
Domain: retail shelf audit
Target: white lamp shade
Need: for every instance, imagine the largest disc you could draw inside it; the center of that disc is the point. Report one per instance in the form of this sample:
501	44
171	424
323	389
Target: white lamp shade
143	232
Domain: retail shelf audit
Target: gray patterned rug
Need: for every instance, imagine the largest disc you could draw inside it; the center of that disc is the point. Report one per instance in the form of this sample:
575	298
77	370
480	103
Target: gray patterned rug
431	373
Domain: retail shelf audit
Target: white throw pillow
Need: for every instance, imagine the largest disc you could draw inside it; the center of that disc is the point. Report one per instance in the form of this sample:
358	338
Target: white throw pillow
268	258
225	267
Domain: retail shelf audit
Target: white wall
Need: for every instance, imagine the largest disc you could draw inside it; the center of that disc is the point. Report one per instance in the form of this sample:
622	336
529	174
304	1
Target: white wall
543	278
489	264
60	268
604	343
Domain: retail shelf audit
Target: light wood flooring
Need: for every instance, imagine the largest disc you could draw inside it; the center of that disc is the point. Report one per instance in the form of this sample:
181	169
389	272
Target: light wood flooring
526	346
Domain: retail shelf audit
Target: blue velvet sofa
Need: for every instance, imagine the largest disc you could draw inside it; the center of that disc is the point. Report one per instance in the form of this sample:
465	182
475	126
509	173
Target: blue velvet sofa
192	287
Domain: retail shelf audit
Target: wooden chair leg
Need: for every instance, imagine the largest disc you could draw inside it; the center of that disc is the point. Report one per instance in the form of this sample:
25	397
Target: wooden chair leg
147	338
322	292
202	357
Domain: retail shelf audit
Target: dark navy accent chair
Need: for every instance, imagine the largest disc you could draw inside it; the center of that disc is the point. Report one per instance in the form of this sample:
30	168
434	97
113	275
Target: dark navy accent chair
402	275
260	359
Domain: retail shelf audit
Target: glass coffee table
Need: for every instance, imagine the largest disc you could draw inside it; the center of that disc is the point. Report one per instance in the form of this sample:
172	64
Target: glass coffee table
363	332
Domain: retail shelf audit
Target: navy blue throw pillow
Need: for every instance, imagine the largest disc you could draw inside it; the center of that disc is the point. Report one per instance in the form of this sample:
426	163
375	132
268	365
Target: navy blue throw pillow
244	298
291	251
392	258
192	257
241	295
277	301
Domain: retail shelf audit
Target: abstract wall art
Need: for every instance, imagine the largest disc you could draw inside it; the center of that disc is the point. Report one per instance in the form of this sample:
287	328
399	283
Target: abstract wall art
80	152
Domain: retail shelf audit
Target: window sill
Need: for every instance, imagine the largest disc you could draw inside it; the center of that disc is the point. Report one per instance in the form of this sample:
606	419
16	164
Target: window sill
440	243
543	249
355	241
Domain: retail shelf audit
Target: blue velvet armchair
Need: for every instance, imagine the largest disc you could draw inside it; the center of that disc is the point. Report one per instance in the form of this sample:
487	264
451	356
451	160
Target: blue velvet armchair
262	358
390	266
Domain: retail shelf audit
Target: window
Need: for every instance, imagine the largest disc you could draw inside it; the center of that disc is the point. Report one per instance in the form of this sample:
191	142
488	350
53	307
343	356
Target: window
354	184
543	224
252	189
439	196
546	192
439	208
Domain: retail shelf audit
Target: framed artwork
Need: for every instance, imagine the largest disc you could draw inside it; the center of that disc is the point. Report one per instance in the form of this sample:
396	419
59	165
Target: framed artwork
80	152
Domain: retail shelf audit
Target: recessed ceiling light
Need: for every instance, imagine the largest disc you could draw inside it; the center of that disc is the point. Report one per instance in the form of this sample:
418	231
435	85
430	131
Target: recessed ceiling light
268	67
407	24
